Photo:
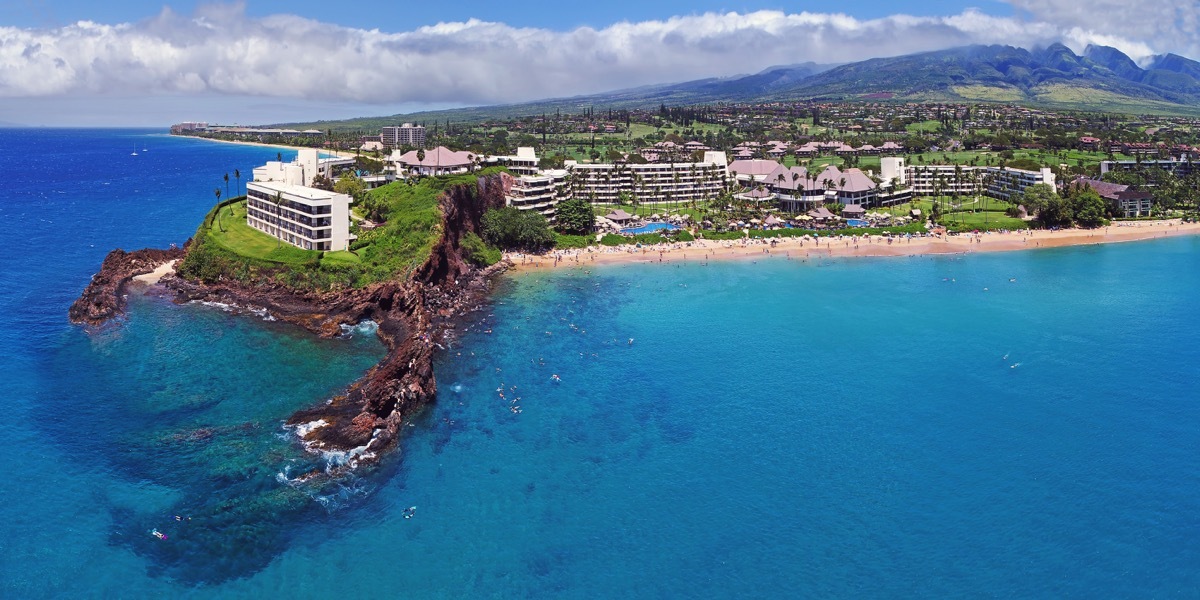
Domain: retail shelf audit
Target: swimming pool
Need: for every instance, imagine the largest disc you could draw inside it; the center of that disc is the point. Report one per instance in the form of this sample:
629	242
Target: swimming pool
857	223
650	228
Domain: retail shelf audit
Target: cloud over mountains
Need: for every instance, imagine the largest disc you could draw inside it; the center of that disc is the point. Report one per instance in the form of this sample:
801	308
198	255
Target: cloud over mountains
219	50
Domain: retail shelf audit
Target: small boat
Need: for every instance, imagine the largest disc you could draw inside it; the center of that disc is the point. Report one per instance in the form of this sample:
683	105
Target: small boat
134	153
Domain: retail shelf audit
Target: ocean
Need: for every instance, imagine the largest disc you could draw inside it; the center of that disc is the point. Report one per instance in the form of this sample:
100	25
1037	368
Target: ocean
1014	424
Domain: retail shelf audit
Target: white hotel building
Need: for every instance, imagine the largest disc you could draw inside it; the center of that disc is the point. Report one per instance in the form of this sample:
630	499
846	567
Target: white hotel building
541	192
995	182
304	217
651	182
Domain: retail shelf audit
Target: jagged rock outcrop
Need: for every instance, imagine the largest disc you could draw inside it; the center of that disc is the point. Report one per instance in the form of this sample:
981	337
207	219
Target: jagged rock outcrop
103	298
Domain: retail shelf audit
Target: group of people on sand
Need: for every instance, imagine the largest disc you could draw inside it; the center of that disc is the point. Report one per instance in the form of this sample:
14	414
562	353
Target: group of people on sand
931	242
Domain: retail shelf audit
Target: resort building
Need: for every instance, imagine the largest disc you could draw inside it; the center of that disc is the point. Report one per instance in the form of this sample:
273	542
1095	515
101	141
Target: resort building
654	182
403	135
1125	202
996	182
800	190
303	170
1178	168
541	192
304	217
438	161
753	170
525	162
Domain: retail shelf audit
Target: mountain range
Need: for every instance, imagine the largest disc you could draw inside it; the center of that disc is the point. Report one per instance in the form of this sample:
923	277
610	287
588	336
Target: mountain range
1102	78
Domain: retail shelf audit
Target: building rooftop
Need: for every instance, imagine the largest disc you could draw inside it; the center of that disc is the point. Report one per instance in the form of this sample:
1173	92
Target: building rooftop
307	193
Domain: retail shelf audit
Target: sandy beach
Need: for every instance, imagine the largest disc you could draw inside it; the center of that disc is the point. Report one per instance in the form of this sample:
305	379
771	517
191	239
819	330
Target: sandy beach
154	276
338	153
800	249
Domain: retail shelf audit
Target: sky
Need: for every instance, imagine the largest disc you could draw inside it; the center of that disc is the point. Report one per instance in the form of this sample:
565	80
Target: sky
152	63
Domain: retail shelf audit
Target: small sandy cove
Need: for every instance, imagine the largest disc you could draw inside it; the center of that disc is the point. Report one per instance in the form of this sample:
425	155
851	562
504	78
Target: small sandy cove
154	276
704	250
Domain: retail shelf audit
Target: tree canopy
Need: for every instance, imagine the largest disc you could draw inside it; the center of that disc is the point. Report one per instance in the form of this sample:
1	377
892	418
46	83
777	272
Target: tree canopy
575	216
510	228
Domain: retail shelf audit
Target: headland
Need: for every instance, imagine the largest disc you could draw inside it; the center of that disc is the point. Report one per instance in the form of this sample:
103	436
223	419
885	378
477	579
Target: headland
417	312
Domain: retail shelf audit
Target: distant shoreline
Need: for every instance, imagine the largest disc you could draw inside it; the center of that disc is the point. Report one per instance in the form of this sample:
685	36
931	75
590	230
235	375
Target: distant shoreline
701	251
261	144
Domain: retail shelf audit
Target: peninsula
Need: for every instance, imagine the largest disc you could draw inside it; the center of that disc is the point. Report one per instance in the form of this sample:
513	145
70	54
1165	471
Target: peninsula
413	275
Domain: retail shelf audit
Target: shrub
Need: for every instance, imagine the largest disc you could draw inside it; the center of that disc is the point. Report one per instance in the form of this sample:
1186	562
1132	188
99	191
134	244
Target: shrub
571	242
478	252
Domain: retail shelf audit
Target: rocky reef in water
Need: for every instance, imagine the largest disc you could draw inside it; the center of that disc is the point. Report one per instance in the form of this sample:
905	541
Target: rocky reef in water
414	316
104	297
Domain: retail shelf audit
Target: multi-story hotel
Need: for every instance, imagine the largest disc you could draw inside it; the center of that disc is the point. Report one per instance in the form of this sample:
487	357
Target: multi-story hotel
654	182
541	192
304	217
403	135
1179	168
996	182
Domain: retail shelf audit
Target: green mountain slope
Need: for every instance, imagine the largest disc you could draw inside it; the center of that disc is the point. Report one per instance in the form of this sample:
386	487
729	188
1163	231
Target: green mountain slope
1102	78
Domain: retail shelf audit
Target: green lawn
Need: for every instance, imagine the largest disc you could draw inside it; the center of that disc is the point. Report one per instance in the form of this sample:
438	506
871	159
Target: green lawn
244	240
970	214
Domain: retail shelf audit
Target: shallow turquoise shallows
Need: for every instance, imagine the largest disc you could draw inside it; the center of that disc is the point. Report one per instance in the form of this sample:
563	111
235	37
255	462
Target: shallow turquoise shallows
1013	425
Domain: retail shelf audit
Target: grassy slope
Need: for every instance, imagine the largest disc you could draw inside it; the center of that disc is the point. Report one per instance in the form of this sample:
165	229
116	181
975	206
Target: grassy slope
234	250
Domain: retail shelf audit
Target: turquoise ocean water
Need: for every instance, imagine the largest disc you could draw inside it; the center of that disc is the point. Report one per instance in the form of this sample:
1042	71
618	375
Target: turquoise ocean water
1015	425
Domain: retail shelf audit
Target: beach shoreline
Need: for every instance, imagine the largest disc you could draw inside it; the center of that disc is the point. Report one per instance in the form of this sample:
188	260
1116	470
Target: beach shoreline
702	251
337	153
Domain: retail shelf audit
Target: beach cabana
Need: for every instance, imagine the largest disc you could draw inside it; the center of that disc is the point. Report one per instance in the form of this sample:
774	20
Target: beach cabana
821	214
854	211
772	221
618	216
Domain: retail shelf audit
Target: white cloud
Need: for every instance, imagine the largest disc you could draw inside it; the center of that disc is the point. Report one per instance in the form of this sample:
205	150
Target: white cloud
219	50
1139	29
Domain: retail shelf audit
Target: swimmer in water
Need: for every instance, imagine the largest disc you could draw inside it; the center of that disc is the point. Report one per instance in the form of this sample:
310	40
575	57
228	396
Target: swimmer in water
630	341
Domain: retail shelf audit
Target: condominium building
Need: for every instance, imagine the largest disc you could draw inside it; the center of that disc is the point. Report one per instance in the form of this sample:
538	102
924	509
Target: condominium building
1179	168
403	135
304	217
524	162
996	182
303	170
655	182
541	192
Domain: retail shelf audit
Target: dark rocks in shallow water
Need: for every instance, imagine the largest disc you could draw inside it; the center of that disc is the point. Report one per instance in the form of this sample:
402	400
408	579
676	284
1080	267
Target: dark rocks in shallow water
102	299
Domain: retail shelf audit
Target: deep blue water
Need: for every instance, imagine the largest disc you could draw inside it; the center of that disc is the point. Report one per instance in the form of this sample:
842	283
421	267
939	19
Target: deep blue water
848	428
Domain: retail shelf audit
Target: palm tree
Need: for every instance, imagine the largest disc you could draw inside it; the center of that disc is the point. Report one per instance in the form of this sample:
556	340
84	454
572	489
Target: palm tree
227	186
238	175
217	191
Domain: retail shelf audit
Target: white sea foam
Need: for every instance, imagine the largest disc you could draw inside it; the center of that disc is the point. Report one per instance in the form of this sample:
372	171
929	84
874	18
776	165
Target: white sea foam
303	429
345	458
261	313
365	327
